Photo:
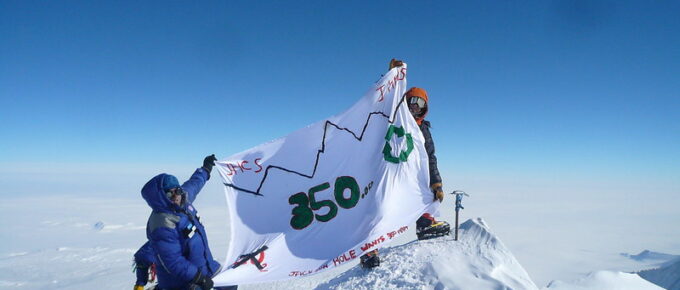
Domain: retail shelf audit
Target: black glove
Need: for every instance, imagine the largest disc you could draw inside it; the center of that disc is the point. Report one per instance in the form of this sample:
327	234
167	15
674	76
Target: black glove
205	282
395	63
209	162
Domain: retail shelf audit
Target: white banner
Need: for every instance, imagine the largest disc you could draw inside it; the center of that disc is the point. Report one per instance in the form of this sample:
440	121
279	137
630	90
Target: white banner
326	194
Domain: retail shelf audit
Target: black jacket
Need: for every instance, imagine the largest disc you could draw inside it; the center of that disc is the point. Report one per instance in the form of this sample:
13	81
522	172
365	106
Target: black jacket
429	147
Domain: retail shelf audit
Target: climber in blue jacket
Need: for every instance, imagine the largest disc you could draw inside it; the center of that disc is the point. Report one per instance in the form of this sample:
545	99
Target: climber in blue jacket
176	235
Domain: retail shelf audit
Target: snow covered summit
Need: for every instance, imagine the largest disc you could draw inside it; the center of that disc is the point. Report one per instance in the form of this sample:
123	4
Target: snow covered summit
478	260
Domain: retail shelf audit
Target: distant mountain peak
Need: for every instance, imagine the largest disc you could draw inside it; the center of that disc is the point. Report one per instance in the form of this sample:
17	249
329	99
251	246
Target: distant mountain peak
647	255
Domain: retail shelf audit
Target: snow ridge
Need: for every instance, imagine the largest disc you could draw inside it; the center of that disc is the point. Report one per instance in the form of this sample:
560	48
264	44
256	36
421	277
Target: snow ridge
667	277
479	260
604	280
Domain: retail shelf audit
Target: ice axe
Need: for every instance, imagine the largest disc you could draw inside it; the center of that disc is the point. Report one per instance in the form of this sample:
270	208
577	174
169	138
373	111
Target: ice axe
459	200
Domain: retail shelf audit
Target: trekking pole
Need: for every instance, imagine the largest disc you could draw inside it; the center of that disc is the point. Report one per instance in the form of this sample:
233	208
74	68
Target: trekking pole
459	199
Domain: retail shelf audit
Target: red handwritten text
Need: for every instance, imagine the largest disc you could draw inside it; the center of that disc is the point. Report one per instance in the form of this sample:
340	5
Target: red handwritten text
243	166
351	254
307	272
373	243
392	234
384	89
345	257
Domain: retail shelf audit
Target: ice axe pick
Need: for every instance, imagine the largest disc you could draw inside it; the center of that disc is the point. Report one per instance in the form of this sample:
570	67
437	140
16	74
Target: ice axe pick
459	200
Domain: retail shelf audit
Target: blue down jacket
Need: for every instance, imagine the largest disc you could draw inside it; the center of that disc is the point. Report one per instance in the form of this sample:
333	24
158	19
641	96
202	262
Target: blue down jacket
176	234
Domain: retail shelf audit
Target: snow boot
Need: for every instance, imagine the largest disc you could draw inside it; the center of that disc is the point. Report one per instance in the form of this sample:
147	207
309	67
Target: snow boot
427	227
370	260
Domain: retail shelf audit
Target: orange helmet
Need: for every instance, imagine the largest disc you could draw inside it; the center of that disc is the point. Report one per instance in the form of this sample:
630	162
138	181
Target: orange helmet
418	93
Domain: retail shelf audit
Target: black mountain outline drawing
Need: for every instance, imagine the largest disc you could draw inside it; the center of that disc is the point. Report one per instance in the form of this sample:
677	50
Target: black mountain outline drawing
320	151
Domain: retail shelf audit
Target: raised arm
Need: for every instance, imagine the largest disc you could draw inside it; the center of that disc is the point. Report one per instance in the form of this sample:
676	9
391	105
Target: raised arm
435	177
194	185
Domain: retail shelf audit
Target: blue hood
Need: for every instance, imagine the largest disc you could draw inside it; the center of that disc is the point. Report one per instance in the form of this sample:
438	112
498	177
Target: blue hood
154	195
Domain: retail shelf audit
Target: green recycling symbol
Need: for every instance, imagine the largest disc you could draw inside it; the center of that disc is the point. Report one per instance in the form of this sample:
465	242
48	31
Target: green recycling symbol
387	150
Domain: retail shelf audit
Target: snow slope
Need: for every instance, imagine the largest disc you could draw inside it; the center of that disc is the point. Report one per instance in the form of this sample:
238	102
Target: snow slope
667	276
66	243
479	260
605	280
58	242
68	268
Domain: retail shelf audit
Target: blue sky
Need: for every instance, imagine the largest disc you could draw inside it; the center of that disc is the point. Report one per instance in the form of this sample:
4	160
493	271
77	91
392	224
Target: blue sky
582	91
560	118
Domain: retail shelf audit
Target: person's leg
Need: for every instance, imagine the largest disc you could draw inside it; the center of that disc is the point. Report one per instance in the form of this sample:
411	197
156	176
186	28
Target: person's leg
427	227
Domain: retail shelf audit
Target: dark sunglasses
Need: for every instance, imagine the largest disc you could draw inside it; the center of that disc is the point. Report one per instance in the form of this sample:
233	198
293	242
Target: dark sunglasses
175	191
418	101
